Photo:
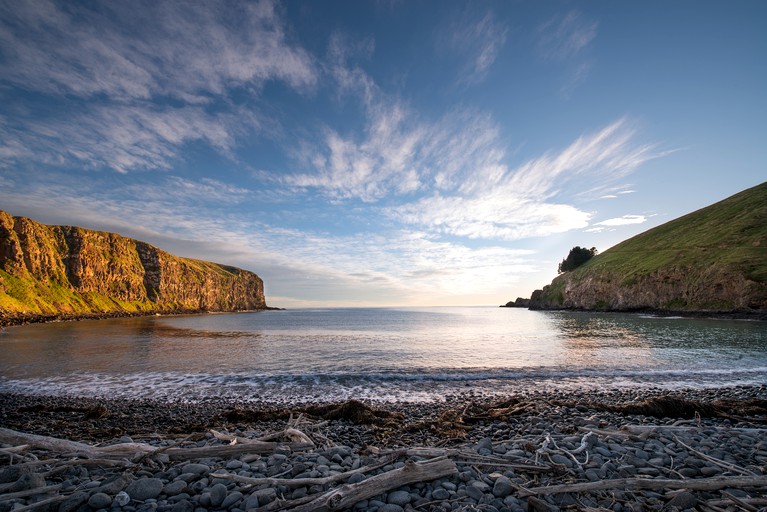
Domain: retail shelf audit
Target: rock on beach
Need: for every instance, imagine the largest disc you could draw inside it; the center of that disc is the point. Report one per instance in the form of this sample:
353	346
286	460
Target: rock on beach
536	440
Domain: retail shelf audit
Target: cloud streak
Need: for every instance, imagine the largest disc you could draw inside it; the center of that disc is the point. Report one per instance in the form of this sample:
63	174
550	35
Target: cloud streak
128	85
145	49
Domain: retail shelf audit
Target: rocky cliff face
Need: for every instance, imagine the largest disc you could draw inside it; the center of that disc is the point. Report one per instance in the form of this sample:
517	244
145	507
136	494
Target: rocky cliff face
70	271
671	289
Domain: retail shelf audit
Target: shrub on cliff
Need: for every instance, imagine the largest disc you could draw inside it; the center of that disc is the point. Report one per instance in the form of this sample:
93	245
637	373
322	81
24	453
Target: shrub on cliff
577	257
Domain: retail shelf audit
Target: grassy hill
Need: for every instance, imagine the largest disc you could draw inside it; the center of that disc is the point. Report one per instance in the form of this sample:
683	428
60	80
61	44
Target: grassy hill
714	259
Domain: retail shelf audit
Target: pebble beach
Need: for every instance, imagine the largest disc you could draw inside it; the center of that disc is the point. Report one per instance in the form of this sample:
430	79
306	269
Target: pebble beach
593	450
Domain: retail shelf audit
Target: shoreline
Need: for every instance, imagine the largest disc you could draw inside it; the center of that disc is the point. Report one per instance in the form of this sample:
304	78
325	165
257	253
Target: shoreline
26	319
505	454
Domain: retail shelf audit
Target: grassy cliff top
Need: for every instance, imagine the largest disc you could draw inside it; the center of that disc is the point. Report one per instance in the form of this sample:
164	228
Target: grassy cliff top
731	233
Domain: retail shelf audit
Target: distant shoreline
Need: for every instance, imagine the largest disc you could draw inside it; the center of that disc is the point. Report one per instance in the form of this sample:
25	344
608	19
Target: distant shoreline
726	315
25	319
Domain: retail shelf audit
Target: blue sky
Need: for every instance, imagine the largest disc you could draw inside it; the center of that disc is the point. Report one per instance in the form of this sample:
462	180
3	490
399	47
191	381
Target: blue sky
382	152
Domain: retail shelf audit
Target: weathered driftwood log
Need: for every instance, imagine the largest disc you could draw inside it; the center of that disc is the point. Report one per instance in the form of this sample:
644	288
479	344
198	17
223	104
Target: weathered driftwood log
347	495
698	484
301	482
131	450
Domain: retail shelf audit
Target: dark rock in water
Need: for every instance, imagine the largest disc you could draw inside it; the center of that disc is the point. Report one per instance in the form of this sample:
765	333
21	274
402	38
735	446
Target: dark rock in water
518	303
144	489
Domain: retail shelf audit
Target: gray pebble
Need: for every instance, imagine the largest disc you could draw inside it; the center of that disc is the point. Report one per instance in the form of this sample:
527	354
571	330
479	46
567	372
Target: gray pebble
390	507
145	488
683	500
174	488
265	496
73	502
100	500
197	469
400	498
232	499
217	495
183	506
503	487
440	494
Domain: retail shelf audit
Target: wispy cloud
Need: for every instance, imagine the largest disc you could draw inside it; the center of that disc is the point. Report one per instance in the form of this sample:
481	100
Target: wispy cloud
563	39
123	137
128	85
623	221
145	49
564	36
503	203
478	41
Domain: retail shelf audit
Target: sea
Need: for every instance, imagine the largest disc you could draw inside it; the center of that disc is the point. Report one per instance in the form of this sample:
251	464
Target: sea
378	354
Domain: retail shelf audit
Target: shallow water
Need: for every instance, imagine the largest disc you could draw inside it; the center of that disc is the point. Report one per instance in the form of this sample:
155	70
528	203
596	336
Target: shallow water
379	354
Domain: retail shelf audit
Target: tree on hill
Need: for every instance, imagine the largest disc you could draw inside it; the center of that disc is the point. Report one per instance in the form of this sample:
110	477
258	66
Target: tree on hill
577	257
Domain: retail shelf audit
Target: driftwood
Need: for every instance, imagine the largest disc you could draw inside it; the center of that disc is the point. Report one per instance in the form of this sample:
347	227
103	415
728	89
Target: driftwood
301	482
131	450
347	495
699	484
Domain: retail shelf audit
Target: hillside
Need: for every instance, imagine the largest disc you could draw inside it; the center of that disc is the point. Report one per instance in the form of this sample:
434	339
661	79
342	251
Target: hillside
711	260
51	272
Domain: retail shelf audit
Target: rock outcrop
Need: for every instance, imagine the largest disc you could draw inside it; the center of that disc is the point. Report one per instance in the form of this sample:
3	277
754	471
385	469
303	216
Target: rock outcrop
712	260
67	272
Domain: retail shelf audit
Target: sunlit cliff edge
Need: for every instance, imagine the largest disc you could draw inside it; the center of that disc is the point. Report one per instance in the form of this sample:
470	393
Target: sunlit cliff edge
712	260
60	272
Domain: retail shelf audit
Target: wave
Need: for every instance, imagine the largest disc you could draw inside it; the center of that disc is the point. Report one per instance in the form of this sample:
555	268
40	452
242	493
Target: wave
402	386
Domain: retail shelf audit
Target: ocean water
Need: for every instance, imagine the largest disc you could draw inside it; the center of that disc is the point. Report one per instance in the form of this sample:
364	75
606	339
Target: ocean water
411	354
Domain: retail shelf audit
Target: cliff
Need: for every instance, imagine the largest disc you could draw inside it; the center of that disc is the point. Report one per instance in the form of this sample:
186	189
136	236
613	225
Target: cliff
70	272
711	260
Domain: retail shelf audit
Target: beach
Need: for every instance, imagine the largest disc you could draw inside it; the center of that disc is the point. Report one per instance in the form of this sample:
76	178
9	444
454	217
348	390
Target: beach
649	449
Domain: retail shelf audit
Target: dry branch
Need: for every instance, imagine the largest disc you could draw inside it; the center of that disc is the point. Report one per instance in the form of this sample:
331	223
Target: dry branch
131	450
700	484
347	495
301	482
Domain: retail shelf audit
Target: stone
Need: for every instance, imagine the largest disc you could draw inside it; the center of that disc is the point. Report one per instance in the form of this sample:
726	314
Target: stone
174	488
265	496
440	494
502	487
73	502
196	468
474	492
99	500
183	506
145	489
121	499
391	507
683	501
232	499
400	498
217	495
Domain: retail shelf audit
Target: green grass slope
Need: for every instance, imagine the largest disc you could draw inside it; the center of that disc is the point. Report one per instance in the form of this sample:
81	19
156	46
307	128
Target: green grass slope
712	259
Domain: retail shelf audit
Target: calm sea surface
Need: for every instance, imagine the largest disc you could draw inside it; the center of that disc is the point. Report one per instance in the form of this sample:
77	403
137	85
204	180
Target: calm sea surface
380	354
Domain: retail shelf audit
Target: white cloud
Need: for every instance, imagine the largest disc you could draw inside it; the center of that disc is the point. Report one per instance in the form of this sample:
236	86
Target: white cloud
124	137
478	41
501	203
145	49
130	84
623	221
564	36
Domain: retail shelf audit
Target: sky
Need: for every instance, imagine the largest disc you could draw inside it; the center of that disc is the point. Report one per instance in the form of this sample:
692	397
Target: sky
380	153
